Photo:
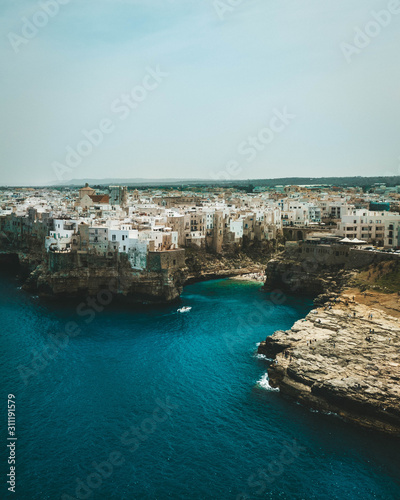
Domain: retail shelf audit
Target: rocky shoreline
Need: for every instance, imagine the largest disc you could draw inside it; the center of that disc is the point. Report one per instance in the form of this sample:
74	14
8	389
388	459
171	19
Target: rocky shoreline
343	360
242	274
125	285
205	266
295	277
146	286
338	359
99	276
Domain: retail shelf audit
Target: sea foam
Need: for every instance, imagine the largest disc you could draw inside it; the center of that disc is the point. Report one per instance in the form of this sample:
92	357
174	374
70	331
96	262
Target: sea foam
260	356
264	383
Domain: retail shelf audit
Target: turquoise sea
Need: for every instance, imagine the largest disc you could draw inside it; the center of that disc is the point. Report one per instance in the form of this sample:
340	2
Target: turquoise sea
146	403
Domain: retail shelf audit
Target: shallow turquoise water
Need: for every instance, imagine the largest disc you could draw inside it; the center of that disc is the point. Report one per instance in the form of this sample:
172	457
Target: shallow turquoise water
174	401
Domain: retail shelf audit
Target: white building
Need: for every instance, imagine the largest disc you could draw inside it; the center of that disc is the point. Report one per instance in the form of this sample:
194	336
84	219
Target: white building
236	227
380	228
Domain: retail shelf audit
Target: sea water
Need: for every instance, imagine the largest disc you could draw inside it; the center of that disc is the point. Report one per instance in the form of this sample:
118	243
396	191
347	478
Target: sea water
148	403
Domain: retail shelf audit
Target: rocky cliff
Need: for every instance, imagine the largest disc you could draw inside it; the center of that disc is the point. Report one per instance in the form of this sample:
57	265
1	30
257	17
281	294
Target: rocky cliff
79	274
98	275
307	278
202	265
26	253
342	360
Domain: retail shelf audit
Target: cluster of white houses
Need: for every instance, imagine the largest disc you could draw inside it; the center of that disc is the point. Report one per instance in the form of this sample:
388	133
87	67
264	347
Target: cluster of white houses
136	222
109	236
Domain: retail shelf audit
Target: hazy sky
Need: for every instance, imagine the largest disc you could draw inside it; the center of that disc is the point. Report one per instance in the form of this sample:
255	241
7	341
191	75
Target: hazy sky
263	89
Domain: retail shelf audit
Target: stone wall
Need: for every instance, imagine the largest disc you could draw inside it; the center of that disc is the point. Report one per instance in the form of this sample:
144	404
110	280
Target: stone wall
330	255
335	254
169	260
364	258
68	261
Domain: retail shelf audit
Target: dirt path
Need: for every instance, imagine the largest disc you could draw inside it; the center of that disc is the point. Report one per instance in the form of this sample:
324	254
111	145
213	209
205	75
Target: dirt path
389	303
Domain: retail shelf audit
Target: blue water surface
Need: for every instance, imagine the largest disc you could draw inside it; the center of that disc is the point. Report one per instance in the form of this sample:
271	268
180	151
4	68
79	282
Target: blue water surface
148	403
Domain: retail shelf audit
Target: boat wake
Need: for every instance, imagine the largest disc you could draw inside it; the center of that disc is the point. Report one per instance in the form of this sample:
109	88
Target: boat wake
184	309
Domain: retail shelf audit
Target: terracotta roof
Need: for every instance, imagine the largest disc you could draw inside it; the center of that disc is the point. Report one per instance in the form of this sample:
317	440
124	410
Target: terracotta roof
100	198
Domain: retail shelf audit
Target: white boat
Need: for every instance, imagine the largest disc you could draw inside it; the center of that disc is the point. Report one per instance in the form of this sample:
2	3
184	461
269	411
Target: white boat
184	309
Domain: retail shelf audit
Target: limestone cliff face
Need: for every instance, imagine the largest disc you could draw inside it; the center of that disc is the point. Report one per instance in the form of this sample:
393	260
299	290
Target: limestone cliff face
202	265
135	287
25	253
71	279
307	278
330	361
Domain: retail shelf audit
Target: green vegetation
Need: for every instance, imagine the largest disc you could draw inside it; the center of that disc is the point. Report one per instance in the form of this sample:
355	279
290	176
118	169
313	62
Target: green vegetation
382	277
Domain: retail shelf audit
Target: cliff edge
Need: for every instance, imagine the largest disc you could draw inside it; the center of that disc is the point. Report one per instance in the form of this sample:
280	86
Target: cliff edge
73	275
343	358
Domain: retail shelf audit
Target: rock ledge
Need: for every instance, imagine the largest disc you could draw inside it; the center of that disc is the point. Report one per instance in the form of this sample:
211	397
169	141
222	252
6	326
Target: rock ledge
341	360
